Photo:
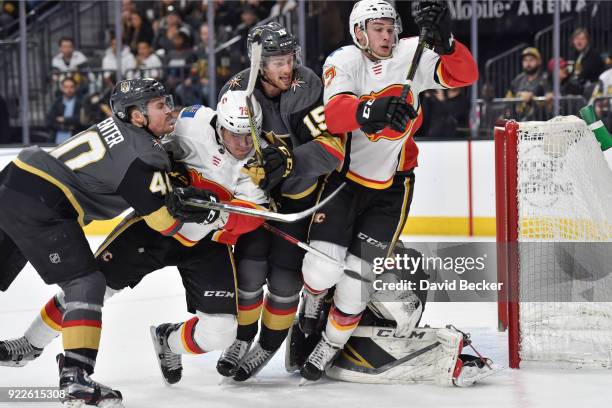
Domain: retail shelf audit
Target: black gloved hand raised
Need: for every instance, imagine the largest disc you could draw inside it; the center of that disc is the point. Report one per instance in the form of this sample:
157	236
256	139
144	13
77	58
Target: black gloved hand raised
374	115
277	166
434	18
186	213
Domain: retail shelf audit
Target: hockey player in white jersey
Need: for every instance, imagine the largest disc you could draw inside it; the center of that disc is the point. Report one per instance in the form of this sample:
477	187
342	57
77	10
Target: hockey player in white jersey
208	150
389	346
363	83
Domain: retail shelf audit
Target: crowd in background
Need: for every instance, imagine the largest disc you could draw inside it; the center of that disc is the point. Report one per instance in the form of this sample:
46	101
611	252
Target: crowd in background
585	76
166	40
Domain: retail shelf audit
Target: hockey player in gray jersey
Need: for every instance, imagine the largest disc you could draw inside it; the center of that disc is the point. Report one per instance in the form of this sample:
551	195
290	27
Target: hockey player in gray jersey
46	198
301	151
208	149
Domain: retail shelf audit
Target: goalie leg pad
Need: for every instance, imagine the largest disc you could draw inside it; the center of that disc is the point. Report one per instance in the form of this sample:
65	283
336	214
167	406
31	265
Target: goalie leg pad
376	355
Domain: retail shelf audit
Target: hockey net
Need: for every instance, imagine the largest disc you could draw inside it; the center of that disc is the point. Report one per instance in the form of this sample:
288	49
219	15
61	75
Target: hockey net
554	220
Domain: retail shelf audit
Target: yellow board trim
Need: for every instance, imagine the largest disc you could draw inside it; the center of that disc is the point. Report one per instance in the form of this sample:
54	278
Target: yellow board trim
483	226
56	183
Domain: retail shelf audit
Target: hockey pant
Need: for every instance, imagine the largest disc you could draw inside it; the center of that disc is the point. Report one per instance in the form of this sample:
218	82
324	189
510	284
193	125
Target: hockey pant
360	224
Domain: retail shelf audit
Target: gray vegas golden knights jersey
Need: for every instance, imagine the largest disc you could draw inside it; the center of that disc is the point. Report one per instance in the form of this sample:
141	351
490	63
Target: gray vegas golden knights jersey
104	170
296	117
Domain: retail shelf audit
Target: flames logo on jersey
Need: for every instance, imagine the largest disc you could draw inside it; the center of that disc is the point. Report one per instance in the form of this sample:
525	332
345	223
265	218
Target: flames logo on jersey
197	180
387	133
328	75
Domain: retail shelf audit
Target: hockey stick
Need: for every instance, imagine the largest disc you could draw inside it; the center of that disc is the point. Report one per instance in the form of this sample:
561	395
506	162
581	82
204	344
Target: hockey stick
268	215
256	50
416	59
350	273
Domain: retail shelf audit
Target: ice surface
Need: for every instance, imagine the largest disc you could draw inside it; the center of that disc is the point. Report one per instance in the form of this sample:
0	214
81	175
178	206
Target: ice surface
127	361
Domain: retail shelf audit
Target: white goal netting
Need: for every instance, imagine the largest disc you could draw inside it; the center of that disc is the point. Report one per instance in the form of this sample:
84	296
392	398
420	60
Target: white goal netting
565	229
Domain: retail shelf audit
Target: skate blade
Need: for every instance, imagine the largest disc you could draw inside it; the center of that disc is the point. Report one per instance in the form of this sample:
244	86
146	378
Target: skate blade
304	382
107	403
14	364
111	403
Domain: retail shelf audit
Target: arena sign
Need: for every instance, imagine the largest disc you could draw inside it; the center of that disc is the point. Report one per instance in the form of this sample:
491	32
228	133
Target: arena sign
494	9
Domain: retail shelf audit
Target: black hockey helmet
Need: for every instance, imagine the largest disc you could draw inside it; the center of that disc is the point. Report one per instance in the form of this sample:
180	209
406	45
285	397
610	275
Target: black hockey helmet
137	92
275	40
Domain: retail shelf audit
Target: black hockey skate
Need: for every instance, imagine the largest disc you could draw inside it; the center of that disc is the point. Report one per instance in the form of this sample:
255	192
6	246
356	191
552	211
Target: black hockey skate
324	353
298	347
17	352
232	357
253	362
170	363
311	316
79	390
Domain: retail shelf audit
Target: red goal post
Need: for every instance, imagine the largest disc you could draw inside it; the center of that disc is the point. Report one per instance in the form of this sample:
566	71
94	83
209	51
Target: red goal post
554	225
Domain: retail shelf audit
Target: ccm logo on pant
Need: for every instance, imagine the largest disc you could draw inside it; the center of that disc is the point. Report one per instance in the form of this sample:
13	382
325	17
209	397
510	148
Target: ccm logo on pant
219	293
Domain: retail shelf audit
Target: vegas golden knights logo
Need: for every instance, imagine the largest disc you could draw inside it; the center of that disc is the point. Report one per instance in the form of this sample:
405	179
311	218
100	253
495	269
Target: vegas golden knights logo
125	87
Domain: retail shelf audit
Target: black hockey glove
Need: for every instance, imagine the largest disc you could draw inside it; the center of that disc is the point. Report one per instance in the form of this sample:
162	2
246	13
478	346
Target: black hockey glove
277	166
434	17
374	115
175	202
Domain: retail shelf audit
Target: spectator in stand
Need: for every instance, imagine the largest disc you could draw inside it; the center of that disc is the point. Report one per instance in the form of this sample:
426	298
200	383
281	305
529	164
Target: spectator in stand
201	64
529	83
96	107
282	7
147	62
458	104
169	28
569	85
588	63
5	18
68	59
64	117
446	113
225	14
602	96
262	10
179	58
139	30
109	62
248	18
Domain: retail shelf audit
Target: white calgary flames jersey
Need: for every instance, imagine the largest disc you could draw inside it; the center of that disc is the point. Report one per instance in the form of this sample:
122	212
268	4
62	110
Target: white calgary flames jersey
210	166
375	158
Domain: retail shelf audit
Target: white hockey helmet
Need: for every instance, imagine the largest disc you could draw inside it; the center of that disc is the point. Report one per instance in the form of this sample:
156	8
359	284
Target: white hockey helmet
365	10
232	113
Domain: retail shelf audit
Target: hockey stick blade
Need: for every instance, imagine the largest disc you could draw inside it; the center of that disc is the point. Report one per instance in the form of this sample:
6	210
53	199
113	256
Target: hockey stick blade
268	215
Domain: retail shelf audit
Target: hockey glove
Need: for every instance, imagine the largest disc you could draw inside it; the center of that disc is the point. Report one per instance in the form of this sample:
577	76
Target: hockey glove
373	115
435	19
277	166
175	202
